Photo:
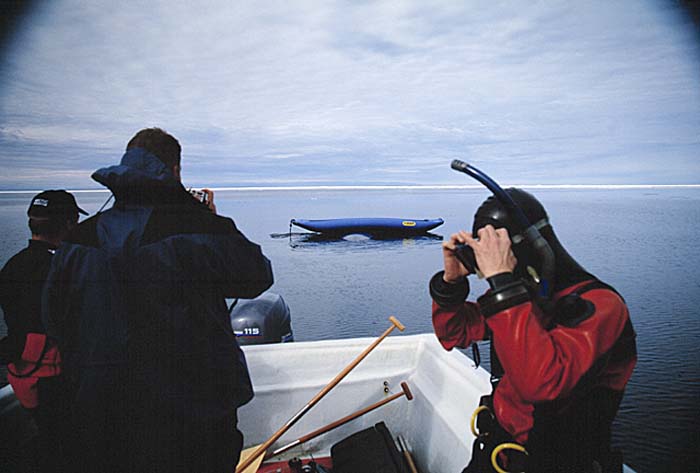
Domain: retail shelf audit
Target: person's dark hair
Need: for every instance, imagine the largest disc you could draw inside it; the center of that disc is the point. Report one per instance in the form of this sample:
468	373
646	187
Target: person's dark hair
163	145
51	227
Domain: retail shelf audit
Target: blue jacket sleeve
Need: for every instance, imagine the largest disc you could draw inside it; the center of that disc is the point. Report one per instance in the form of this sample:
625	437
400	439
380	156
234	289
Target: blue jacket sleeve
231	262
222	259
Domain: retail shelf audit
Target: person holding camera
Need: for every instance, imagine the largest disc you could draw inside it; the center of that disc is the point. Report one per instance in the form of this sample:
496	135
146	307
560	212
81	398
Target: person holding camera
33	362
559	363
136	302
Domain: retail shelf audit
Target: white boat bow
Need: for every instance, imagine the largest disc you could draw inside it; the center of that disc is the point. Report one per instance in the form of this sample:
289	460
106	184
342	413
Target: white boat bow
435	424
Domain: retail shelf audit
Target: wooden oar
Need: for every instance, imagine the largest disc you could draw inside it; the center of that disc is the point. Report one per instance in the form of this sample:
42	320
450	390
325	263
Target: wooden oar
259	451
407	455
405	392
253	462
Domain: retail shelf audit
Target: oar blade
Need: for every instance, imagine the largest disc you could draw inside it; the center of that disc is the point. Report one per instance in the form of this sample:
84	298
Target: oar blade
246	454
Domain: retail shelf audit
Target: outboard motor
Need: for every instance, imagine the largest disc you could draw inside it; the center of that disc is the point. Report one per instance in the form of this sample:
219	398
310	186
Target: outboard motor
265	319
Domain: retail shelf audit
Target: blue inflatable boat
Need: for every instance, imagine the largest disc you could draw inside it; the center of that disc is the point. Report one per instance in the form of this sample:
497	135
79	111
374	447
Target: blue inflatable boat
369	226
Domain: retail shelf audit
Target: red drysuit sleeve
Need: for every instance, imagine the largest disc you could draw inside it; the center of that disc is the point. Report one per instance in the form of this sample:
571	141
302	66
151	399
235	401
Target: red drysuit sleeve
458	325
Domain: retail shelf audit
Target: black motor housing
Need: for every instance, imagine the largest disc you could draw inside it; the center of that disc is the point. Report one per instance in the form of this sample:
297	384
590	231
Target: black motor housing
265	319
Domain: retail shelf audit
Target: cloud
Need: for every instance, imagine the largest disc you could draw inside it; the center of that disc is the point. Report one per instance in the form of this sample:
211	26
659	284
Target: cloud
312	89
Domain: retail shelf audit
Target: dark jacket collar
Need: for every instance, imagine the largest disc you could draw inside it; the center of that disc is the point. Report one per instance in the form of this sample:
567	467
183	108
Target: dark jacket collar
41	245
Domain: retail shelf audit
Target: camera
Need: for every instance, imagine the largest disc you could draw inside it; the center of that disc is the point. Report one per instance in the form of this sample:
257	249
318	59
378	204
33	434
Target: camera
200	195
465	255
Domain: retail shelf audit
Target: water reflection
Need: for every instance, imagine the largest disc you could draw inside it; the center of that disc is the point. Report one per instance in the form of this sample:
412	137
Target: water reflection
354	241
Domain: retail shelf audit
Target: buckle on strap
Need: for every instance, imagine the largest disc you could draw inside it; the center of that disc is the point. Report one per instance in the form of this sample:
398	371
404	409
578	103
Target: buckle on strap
539	225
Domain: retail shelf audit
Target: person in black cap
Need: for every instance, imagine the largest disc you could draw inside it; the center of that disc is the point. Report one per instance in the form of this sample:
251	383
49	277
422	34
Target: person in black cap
32	362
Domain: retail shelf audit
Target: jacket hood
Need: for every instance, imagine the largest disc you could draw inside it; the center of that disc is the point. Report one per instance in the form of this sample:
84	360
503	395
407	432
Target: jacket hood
138	172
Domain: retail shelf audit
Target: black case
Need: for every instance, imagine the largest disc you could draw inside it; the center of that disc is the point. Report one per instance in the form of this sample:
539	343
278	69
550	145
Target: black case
369	451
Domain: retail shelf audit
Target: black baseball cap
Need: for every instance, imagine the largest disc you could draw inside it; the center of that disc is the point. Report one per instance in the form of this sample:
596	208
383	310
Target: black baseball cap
53	203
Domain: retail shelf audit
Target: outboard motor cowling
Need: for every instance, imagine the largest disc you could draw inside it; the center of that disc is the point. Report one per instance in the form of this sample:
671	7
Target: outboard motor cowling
265	319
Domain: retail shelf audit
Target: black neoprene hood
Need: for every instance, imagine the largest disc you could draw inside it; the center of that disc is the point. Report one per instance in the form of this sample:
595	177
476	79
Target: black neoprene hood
492	212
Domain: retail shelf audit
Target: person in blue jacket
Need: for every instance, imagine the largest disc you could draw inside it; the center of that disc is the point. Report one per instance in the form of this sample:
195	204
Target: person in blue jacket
136	302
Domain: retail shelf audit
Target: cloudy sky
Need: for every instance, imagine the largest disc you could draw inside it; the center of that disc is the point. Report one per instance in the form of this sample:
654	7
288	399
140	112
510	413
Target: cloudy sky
356	92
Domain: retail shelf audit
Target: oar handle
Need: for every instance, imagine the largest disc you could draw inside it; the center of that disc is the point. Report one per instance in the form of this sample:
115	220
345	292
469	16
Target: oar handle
262	448
394	324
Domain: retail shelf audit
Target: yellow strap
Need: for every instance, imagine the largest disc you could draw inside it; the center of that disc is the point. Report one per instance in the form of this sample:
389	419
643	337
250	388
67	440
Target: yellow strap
472	423
499	449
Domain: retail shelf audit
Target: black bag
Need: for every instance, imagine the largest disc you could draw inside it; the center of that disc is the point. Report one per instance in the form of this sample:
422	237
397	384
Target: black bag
370	451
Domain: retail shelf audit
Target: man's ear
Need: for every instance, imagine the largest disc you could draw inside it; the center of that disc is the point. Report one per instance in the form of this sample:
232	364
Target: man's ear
176	172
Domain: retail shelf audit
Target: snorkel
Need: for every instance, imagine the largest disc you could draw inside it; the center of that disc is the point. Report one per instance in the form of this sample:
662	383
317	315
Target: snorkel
527	232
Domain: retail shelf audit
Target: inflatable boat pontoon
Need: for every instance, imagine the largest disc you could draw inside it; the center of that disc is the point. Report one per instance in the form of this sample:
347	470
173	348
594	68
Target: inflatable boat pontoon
369	226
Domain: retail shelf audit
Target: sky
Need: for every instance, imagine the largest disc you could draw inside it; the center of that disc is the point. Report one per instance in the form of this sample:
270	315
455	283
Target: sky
284	93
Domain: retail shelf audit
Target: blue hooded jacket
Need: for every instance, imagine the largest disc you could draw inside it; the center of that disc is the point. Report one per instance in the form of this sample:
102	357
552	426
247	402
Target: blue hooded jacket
139	291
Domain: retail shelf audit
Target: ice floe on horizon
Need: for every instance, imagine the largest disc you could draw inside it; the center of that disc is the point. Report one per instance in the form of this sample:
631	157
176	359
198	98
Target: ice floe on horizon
405	187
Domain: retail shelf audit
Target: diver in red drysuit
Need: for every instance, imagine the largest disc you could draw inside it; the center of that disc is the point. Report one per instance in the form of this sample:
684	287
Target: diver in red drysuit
565	365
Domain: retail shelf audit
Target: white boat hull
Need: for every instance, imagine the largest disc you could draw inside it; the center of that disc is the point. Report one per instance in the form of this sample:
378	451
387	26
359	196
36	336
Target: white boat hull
435	424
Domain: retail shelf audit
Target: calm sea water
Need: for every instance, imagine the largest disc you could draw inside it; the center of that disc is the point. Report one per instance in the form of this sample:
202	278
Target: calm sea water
644	242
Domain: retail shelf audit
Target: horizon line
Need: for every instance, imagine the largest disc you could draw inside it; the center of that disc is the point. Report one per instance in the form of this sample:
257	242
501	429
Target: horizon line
403	187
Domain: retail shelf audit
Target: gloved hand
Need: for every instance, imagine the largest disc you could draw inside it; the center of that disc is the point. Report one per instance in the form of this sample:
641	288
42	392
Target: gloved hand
455	271
492	250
